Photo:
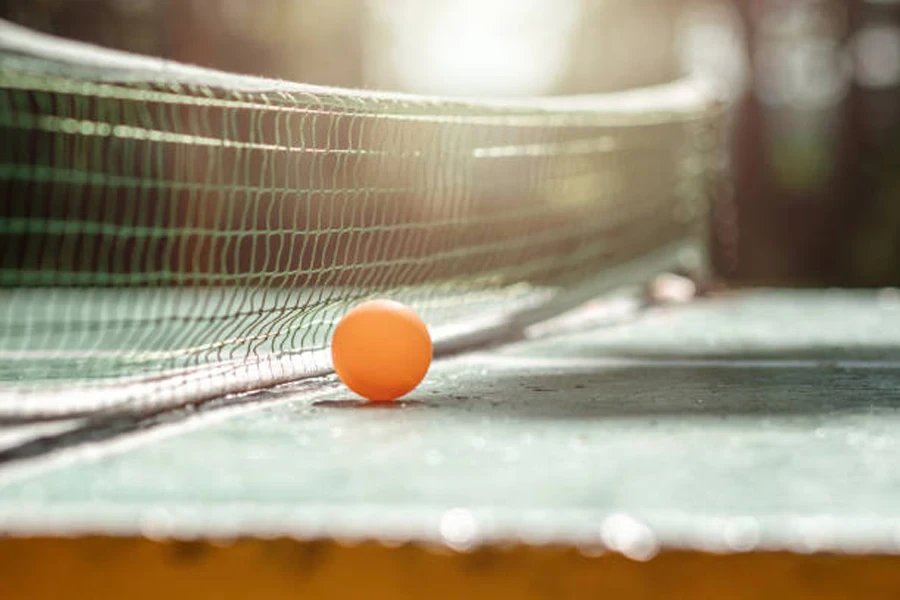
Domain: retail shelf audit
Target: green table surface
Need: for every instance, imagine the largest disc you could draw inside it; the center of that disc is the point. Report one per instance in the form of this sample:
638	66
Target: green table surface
763	419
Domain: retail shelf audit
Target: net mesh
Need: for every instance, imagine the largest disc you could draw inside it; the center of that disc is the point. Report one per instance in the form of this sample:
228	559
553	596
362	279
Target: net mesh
168	232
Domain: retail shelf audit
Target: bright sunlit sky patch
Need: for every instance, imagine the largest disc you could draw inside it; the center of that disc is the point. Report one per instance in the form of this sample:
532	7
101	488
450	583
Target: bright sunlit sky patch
478	47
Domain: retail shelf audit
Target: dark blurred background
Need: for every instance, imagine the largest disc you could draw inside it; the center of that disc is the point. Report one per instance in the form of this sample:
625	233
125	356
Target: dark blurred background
816	149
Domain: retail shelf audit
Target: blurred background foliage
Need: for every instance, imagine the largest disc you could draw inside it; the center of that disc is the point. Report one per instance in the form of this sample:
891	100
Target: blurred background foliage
816	148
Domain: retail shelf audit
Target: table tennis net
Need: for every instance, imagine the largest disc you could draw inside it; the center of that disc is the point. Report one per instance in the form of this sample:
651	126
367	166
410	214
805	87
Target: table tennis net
170	233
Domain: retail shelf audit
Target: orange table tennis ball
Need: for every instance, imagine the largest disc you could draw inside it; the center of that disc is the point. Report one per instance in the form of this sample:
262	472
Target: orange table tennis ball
381	350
